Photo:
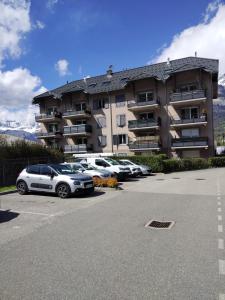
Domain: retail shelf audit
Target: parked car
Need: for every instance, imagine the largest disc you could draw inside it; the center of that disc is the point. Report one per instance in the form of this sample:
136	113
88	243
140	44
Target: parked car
53	178
135	170
89	170
145	170
119	171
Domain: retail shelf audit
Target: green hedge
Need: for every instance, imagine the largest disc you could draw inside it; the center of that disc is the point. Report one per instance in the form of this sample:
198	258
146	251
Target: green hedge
216	162
186	164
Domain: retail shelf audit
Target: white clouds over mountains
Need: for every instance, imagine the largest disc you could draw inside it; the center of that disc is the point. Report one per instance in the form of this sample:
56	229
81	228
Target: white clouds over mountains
17	86
207	38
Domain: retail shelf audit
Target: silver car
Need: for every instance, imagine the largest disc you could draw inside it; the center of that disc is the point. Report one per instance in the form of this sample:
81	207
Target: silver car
53	178
145	170
88	169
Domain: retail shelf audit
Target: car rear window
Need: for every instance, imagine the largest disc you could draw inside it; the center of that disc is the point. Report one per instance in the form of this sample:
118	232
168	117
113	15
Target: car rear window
33	169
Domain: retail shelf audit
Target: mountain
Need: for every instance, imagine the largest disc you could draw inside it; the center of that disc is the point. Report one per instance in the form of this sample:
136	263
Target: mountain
11	128
219	109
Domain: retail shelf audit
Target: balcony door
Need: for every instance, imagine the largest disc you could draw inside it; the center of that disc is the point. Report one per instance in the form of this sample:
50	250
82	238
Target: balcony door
191	132
189	113
80	106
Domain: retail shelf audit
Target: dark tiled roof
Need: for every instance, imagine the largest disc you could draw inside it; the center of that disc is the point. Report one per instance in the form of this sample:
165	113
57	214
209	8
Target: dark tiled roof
161	71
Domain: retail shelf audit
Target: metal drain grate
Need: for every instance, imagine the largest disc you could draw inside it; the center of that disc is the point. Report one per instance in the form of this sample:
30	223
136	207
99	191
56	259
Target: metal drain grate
199	178
160	179
160	225
176	178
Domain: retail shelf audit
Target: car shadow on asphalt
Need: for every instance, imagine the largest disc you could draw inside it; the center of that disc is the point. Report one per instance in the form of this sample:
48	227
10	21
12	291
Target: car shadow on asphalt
7	215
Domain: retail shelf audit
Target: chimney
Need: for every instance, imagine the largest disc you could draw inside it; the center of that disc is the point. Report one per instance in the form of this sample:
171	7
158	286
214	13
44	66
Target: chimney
109	72
195	53
168	62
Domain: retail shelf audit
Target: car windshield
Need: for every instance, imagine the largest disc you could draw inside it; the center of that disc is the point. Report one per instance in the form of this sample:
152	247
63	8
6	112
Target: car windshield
124	163
63	169
88	167
112	161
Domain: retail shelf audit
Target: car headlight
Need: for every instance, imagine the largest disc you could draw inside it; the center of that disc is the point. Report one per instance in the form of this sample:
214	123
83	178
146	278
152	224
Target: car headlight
76	182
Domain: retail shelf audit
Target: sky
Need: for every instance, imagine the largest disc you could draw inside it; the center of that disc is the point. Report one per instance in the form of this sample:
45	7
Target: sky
44	44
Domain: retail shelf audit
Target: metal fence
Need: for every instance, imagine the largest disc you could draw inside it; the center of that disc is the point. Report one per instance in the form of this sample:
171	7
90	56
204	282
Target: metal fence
10	168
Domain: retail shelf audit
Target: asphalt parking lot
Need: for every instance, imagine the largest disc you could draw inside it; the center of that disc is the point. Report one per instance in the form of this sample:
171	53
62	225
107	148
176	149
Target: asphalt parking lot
99	248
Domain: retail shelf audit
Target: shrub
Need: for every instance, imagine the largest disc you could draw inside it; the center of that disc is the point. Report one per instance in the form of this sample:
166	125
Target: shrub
217	162
105	182
186	164
172	165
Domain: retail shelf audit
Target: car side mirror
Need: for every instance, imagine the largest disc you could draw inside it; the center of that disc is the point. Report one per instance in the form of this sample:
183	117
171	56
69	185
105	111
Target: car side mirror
52	175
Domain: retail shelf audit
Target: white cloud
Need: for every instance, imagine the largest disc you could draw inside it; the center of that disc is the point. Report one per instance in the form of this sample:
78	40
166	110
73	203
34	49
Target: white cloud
51	3
17	89
62	67
207	38
39	25
14	23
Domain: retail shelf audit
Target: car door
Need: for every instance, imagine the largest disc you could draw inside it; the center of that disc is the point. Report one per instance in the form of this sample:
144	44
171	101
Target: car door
47	181
32	177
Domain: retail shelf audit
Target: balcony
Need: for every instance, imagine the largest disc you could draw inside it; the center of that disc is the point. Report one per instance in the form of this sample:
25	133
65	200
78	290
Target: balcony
135	105
81	148
53	134
56	117
77	130
142	124
76	114
183	98
189	122
190	142
144	146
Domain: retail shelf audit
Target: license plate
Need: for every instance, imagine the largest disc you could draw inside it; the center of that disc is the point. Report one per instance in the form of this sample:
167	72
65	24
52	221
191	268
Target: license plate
89	186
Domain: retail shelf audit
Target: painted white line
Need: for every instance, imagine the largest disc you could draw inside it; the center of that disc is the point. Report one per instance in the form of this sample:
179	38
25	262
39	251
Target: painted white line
219	203
221	296
32	213
218	198
219	218
220	228
221	267
221	244
219	209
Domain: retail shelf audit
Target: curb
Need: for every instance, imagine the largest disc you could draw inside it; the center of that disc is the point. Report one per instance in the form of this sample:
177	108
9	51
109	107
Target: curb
9	192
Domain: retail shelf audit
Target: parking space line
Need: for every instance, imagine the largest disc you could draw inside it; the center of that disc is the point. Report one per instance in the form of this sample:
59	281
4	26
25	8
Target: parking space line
218	198
221	244
219	203
220	228
221	267
31	213
219	209
221	296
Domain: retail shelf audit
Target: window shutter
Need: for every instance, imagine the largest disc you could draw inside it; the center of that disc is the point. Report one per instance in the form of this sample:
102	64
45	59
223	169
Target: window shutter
106	103
123	120
118	120
115	140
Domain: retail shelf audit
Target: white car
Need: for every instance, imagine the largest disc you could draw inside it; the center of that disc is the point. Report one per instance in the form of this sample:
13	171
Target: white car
53	178
135	170
145	170
119	171
89	170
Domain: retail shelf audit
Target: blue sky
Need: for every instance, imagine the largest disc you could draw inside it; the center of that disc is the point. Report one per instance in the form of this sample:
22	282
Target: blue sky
54	41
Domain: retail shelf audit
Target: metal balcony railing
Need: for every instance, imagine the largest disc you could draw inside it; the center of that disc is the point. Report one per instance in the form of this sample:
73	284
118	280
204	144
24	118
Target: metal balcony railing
57	115
181	96
134	103
190	142
77	129
145	145
188	121
48	134
134	124
76	113
81	148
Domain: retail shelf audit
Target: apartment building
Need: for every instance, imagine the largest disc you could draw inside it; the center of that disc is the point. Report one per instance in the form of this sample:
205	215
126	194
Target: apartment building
160	108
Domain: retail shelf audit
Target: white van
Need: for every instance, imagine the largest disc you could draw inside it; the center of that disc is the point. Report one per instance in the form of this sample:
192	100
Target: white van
120	172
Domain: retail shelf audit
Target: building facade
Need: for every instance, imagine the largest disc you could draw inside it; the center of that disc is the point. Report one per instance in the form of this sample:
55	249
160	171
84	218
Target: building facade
163	108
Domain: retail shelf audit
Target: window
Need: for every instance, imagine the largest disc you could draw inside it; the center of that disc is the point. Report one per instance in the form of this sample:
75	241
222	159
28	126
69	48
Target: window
188	87
145	96
33	169
120	100
101	122
80	106
100	103
189	113
80	122
146	116
45	170
52	127
101	163
51	110
81	141
120	139
102	140
121	120
193	132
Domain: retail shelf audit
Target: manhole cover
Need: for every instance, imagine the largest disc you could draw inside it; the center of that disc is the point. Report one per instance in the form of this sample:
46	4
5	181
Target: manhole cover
175	178
200	179
160	225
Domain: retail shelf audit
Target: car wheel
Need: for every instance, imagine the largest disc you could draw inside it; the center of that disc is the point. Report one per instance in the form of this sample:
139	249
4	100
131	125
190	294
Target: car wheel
22	187
63	190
